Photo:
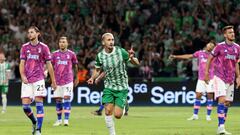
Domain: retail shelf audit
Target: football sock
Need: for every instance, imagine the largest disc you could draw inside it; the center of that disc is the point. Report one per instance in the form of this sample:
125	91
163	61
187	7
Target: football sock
110	125
67	108
59	107
209	106
196	106
40	115
221	114
29	113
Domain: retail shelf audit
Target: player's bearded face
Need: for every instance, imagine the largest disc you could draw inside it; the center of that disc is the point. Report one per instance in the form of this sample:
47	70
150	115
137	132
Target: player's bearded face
63	44
210	46
109	42
230	35
32	34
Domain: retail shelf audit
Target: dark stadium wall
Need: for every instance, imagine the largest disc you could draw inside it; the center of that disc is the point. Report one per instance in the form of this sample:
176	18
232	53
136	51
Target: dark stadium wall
140	94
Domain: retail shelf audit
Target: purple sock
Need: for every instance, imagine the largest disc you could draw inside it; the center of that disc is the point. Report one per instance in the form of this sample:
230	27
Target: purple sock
196	106
59	107
67	108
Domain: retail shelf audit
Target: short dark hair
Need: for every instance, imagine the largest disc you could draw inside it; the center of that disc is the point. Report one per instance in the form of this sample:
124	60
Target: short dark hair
226	28
35	28
63	37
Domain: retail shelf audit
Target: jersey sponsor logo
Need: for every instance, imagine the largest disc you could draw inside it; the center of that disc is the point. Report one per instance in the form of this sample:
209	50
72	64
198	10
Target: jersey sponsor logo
32	56
62	62
231	57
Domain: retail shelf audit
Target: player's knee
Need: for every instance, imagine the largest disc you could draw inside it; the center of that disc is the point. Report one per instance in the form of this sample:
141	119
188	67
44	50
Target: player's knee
39	99
228	104
4	95
108	111
118	116
66	97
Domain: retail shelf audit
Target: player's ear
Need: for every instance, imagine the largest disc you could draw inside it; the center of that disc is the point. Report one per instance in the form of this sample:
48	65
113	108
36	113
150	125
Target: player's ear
103	43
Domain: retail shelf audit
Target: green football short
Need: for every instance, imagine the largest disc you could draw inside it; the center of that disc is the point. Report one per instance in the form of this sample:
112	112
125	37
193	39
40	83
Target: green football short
116	97
4	89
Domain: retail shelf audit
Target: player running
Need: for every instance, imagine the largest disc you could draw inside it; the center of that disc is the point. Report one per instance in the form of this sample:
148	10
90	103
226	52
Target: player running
112	60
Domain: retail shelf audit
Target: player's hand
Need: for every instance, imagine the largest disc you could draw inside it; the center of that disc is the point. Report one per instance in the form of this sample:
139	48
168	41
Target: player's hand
24	79
54	85
206	78
90	81
97	81
131	53
171	57
76	82
238	82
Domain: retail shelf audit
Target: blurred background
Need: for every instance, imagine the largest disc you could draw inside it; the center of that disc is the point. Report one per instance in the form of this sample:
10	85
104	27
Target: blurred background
155	28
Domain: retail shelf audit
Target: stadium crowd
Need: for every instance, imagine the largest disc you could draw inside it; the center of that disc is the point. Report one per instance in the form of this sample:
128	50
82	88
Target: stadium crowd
155	29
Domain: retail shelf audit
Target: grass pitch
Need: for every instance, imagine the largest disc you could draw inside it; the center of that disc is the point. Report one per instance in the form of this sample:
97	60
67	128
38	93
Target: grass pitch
141	121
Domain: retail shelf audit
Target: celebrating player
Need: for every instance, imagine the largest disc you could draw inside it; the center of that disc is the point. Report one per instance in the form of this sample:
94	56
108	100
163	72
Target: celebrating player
112	60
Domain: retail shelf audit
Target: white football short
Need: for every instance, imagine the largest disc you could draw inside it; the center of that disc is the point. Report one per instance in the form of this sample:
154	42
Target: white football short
202	87
31	90
223	89
64	90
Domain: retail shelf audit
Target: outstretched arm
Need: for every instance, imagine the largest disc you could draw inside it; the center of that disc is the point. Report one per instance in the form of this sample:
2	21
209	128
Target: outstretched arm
185	56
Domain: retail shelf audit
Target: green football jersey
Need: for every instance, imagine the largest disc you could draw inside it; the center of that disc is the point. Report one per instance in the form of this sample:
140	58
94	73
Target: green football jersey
114	65
4	68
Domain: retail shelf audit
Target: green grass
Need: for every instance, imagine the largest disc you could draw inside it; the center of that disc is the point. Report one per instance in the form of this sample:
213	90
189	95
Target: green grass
141	121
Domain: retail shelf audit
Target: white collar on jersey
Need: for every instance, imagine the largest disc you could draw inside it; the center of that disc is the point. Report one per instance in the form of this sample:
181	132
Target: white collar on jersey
114	48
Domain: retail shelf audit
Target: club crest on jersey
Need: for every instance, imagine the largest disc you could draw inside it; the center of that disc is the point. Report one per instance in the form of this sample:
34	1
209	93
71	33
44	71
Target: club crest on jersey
39	50
235	50
68	57
225	50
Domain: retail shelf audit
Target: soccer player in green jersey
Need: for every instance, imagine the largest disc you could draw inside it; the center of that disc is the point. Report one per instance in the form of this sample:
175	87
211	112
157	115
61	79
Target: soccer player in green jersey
112	60
4	77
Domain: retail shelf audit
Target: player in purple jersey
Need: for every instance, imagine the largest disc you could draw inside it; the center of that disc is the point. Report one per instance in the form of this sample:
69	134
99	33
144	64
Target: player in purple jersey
34	55
64	61
226	56
202	87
